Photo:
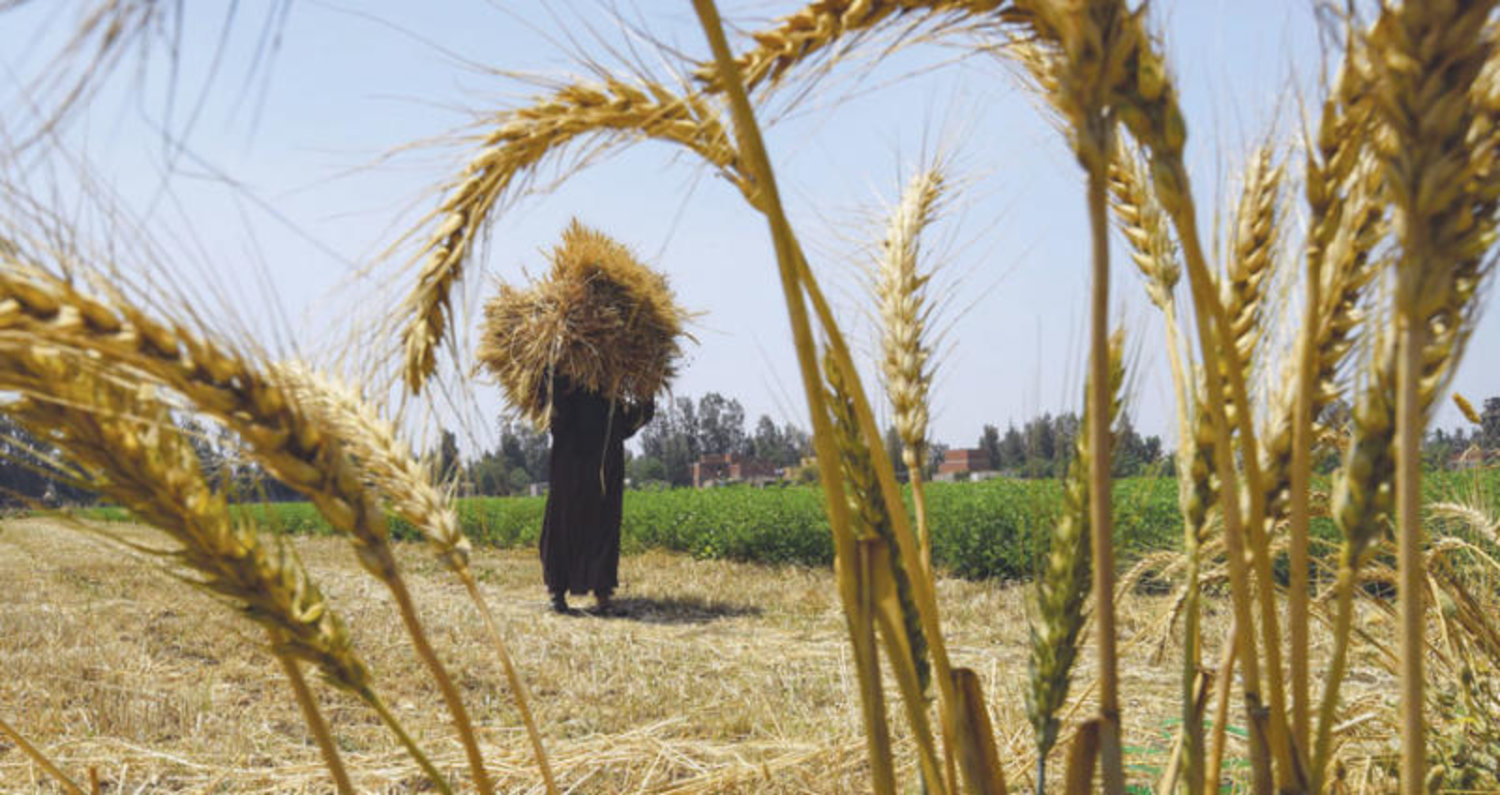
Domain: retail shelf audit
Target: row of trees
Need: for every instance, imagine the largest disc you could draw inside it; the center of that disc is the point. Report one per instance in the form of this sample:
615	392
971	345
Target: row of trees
682	432
1042	447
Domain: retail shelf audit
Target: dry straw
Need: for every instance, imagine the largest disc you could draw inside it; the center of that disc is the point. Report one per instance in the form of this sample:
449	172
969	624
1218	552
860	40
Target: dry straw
601	320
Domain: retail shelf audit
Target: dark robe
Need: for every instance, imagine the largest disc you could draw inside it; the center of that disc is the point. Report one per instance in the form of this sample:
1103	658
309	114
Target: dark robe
581	530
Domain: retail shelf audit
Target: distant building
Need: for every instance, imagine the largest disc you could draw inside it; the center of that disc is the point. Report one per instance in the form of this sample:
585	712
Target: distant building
537	489
963	462
719	468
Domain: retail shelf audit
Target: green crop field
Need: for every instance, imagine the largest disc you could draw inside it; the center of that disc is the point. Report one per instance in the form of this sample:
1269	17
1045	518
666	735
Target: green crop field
980	530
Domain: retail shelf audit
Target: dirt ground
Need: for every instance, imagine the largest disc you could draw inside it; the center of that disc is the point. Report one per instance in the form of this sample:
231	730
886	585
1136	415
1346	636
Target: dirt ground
718	677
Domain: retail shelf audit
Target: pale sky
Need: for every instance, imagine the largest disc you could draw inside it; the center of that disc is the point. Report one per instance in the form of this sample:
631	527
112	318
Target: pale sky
281	191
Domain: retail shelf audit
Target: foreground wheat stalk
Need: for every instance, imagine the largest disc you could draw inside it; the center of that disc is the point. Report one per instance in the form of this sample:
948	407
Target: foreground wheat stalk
1063	585
1426	57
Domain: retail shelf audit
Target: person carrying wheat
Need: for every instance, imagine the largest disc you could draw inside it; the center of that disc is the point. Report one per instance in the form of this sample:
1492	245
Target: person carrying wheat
580	542
584	352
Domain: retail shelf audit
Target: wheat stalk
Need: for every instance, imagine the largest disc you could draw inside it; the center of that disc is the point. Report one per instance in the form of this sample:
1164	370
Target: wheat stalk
522	140
1063	585
1087	48
800	289
1425	60
1146	102
889	581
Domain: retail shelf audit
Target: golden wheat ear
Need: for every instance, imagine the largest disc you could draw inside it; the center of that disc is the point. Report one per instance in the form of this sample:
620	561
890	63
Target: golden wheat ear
900	285
1426	63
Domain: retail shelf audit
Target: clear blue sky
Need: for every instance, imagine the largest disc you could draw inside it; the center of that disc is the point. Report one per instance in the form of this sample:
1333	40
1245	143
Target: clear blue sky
281	193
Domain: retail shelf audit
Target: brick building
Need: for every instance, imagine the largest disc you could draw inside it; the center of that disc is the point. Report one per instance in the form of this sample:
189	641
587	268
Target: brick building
732	468
963	461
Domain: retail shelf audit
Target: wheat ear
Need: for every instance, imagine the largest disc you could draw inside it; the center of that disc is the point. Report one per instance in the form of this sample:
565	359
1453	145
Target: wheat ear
900	289
1063	586
820	25
285	438
1252	266
408	486
522	140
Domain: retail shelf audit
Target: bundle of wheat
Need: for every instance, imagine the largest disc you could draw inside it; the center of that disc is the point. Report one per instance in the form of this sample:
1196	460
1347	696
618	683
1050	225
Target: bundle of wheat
601	319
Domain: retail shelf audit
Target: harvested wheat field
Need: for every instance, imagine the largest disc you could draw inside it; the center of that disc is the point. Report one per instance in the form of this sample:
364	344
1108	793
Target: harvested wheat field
718	677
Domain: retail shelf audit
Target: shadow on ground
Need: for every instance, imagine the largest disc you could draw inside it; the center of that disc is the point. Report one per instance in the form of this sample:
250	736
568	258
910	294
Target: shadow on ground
674	610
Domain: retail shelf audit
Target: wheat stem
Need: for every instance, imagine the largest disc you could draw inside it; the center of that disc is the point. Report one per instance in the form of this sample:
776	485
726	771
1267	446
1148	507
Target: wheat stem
1100	518
889	580
1224	677
512	679
451	697
412	749
1410	422
314	720
1301	487
1234	539
922	585
768	200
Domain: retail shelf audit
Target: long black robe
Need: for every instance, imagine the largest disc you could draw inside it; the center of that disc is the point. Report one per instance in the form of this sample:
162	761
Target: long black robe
581	530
